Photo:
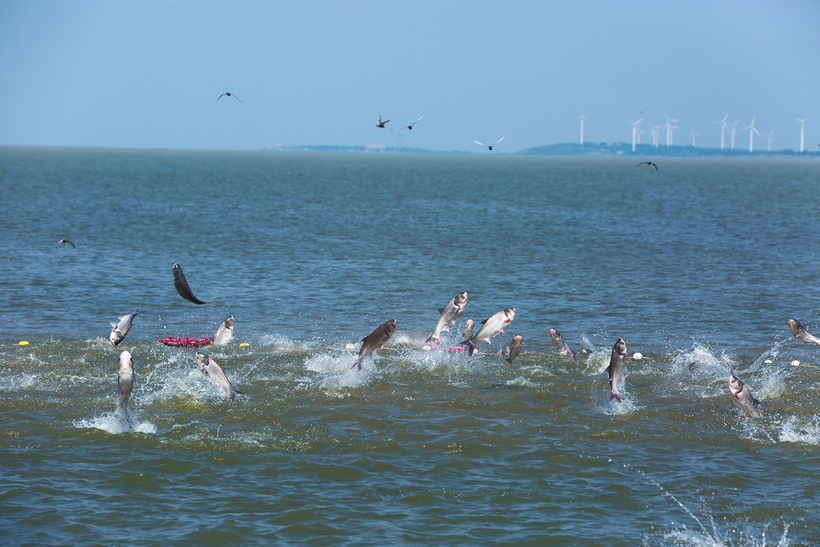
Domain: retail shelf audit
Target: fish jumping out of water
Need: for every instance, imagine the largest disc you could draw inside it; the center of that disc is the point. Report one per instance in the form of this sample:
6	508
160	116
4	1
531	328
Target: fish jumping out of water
490	146
468	330
493	325
229	95
617	364
214	372
380	123
513	349
375	340
120	329
224	334
449	315
800	332
182	287
125	383
562	346
743	397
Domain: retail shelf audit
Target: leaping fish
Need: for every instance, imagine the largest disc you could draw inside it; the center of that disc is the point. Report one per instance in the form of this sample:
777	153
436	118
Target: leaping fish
800	332
562	346
182	287
375	340
743	397
468	330
449	315
224	334
120	329
617	364
125	383
214	372
513	349
493	325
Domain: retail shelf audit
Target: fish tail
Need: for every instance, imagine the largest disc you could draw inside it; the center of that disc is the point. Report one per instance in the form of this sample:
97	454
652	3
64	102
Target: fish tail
616	396
358	363
433	338
470	348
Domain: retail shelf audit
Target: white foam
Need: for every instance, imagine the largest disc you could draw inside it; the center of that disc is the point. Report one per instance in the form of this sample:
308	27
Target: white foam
115	424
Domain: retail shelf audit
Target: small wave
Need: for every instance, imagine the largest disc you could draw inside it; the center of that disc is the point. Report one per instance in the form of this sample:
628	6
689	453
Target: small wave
793	431
115	424
338	371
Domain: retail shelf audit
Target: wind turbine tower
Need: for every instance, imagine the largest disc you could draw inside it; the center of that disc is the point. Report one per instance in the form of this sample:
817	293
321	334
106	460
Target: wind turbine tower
692	135
734	128
582	118
634	132
656	134
802	122
769	137
752	131
669	129
723	127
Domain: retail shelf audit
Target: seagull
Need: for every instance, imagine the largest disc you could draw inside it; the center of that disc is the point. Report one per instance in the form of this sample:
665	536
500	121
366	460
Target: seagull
410	127
67	241
380	123
229	95
649	163
490	146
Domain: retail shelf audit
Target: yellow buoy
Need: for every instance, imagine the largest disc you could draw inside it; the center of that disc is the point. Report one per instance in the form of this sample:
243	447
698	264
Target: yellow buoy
23	342
244	345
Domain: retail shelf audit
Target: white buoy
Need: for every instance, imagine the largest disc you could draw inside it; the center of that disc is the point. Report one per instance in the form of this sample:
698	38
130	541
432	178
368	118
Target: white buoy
637	356
767	362
795	363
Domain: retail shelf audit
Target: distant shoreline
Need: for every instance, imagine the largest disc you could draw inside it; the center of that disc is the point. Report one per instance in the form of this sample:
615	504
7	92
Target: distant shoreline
555	150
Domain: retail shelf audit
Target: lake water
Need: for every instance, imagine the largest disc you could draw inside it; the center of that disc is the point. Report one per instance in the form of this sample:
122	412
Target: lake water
698	266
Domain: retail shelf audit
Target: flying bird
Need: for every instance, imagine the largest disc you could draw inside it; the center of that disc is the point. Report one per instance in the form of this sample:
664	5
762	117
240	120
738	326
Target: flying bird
380	123
229	95
490	146
410	127
648	163
67	241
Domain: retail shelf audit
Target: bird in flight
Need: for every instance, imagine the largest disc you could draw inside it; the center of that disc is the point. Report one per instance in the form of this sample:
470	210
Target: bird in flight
229	95
66	241
490	146
410	127
648	163
380	123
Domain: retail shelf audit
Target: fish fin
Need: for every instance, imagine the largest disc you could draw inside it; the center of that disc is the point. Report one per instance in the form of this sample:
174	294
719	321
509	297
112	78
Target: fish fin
113	325
441	310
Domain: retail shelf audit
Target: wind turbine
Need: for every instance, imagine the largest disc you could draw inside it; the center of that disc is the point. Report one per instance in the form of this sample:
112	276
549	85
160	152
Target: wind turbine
769	137
752	131
734	128
723	127
582	118
669	129
692	135
802	122
634	131
656	134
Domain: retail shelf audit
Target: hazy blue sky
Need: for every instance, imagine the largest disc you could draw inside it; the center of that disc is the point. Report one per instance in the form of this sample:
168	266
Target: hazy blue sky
147	74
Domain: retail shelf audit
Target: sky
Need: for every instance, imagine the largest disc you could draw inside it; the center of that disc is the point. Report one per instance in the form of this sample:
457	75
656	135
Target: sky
147	74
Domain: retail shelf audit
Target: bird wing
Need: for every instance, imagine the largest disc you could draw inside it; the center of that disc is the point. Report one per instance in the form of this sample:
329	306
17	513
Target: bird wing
220	96
479	143
237	98
498	141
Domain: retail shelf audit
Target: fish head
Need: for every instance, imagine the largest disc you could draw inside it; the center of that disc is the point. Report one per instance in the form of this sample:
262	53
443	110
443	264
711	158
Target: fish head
735	385
555	335
794	326
518	340
620	347
116	336
202	359
229	322
461	299
510	314
390	327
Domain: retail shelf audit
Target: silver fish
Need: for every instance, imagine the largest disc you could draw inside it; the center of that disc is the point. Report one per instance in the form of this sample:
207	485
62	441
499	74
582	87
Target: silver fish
375	340
512	350
495	324
468	330
743	397
562	346
182	287
617	364
214	372
800	332
119	330
449	315
224	334
125	382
